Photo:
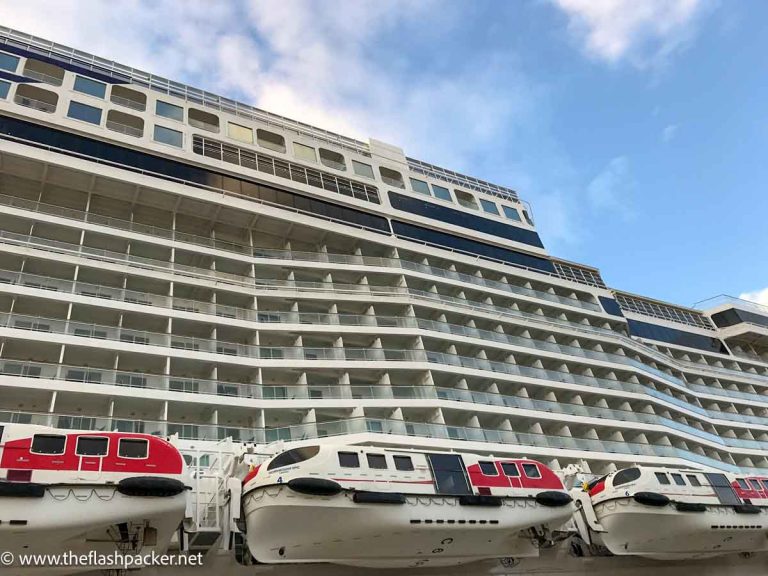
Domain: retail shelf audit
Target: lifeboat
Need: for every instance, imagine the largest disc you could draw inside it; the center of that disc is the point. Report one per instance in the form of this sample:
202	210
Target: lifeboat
672	514
371	507
66	491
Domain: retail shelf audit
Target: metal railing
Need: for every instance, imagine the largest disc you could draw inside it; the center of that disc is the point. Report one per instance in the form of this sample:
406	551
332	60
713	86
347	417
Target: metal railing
124	129
34	103
128	103
43	77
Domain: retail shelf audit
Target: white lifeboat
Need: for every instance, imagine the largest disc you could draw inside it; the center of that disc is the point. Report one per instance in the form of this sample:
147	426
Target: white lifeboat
372	507
671	514
78	492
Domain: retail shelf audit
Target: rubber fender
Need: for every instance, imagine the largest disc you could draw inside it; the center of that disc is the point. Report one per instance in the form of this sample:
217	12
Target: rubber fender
690	506
150	486
553	498
21	490
746	509
315	486
378	498
651	499
480	500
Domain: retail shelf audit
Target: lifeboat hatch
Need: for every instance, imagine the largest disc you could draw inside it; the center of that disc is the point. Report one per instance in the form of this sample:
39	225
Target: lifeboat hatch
722	487
449	474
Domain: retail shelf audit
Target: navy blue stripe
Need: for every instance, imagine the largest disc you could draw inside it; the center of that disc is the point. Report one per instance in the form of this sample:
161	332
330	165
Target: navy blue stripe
66	65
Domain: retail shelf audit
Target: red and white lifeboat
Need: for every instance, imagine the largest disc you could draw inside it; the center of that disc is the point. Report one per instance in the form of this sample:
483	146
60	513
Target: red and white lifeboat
680	513
372	507
63	491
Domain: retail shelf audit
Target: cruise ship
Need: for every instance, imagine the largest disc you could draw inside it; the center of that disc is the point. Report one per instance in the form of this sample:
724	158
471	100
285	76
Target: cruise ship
179	264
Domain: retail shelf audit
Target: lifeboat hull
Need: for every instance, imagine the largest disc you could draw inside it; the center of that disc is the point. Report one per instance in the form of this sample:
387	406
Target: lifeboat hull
666	533
285	526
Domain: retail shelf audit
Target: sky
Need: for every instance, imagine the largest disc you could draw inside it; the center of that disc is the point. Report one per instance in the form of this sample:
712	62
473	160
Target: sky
636	129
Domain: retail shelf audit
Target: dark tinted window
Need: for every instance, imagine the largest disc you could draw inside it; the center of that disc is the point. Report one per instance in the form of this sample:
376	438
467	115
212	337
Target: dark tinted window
48	444
693	480
92	446
510	469
662	478
765	482
377	461
8	62
625	476
675	336
4	88
84	112
678	479
169	111
743	484
349	460
531	470
293	457
133	448
91	87
403	463
488	468
168	136
755	485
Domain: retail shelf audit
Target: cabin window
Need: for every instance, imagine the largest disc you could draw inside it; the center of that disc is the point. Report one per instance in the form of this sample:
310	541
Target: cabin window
531	470
92	446
48	444
510	469
83	112
362	169
168	110
489	207
626	476
511	213
168	136
306	153
391	177
8	62
270	140
241	133
293	456
349	460
442	193
488	468
755	485
403	463
765	482
203	120
466	199
133	448
743	484
332	159
420	186
678	479
662	478
377	461
693	480
4	88
90	87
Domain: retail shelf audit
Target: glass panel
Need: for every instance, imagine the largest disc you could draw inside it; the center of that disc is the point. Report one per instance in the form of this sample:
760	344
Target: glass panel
48	444
489	206
488	468
362	169
303	152
241	133
531	470
92	446
84	112
448	471
168	136
511	213
510	469
349	460
8	62
133	448
662	478
625	476
442	193
420	186
4	88
403	463
169	111
377	461
91	87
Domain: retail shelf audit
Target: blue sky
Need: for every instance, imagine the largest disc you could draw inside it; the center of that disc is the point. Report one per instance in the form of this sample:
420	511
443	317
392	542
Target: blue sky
636	129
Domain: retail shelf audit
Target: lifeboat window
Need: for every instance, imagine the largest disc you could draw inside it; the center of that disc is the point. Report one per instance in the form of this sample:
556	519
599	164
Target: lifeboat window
693	480
755	484
377	461
743	484
92	446
678	479
48	444
765	482
403	463
349	460
662	478
531	470
510	469
625	476
488	468
133	448
293	456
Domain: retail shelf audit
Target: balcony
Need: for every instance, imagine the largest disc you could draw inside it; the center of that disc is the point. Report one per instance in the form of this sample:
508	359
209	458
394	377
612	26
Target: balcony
128	98
125	123
44	72
36	98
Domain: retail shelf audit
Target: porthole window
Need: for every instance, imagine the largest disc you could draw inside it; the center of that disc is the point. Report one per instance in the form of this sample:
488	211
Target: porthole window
488	468
510	469
626	476
133	448
48	444
531	470
92	446
349	460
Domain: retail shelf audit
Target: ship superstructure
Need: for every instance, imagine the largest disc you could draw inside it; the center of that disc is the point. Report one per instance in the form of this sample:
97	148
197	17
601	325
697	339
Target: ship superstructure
173	262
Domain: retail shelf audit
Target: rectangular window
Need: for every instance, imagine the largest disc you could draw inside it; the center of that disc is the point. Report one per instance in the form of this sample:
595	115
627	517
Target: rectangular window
349	460
237	132
743	484
442	193
169	111
488	468
678	479
420	186
403	463
168	136
662	478
755	485
4	88
8	62
362	169
693	480
531	470
84	112
377	461
489	206
511	213
303	152
92	446
48	444
510	469
133	448
90	87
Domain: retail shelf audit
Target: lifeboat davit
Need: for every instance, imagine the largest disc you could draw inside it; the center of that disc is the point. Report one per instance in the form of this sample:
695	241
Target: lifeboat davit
372	507
668	513
67	491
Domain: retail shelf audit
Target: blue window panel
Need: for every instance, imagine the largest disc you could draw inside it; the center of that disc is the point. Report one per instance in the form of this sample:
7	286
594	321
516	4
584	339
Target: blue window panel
442	193
90	87
168	136
169	111
4	88
489	206
674	336
8	62
84	112
511	213
420	186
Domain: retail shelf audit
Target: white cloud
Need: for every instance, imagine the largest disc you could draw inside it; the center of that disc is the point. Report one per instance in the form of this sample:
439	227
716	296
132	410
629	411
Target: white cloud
646	32
758	296
610	189
669	133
